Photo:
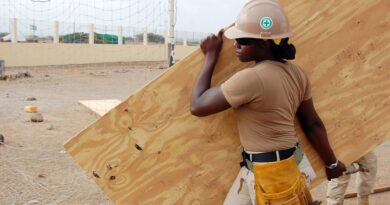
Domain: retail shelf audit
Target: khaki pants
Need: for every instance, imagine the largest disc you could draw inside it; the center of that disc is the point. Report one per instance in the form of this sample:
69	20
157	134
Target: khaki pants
242	191
364	182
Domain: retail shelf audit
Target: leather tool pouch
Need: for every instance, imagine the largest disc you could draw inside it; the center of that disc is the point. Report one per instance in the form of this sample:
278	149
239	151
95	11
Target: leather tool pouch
280	183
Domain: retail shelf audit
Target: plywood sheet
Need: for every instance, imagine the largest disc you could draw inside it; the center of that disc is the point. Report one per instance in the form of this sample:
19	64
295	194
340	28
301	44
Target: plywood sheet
100	107
150	150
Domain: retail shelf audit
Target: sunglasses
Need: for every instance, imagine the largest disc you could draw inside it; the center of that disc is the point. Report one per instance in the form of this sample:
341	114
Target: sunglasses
245	41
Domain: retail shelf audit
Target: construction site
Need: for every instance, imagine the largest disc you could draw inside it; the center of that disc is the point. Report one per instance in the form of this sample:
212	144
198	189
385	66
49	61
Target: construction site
49	67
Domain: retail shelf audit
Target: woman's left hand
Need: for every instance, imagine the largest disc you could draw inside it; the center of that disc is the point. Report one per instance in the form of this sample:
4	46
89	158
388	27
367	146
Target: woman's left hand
212	44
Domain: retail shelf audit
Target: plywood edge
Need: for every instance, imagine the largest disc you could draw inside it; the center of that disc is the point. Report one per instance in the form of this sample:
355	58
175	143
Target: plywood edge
100	107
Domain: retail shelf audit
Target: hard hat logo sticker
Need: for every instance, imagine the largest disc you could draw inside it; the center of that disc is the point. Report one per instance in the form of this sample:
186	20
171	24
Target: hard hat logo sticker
266	23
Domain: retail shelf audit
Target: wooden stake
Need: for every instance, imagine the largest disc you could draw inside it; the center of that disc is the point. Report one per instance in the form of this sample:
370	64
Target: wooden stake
376	191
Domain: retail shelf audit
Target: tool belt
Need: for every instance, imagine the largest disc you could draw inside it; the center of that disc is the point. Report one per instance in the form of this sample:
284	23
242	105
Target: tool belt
264	157
280	183
278	180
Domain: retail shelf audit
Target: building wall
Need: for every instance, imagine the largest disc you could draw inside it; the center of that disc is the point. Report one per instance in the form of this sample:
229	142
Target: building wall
41	54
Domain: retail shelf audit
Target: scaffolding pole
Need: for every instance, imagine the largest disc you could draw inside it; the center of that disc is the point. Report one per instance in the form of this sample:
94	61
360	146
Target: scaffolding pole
171	32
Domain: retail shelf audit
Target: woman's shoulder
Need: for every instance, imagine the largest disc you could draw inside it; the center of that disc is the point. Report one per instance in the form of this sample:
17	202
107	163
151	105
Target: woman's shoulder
246	73
297	68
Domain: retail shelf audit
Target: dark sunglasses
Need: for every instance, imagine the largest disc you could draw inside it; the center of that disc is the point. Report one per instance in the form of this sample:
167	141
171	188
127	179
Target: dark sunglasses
245	41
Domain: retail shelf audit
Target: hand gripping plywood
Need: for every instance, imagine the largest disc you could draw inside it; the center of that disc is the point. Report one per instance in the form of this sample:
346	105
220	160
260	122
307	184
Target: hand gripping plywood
150	150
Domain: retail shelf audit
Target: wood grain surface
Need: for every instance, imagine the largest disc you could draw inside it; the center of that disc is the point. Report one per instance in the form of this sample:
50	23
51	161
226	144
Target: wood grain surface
149	150
100	107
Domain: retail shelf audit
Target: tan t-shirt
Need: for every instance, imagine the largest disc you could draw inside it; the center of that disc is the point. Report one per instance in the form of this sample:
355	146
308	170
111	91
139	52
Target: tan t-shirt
265	99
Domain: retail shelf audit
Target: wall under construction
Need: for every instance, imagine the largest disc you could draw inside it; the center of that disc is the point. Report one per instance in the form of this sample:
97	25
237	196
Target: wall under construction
41	54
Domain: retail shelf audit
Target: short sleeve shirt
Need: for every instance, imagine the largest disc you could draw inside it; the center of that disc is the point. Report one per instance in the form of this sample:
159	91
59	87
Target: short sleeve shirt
265	99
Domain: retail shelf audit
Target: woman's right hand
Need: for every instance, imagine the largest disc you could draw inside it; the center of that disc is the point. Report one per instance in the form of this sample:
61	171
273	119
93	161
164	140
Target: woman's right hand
212	43
335	172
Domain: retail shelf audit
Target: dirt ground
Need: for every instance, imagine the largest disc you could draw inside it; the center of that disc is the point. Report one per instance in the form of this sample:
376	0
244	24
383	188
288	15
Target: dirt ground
35	169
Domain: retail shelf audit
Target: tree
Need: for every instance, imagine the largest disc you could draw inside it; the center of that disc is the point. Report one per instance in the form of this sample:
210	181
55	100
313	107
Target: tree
75	38
3	34
152	38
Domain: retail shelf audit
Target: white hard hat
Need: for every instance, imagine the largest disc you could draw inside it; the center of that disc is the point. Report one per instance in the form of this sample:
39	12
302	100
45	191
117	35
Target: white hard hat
260	19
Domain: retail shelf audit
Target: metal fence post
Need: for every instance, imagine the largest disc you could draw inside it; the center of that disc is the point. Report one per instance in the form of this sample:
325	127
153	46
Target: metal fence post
2	67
